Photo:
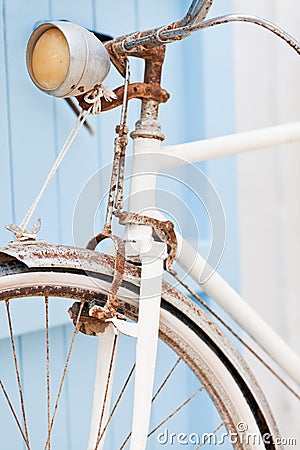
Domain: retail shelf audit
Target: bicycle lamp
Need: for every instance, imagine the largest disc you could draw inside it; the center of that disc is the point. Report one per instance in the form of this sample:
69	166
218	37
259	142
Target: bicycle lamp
66	60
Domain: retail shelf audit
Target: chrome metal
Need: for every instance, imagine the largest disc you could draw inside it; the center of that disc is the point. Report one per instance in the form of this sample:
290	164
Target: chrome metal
17	371
179	30
89	61
182	32
197	12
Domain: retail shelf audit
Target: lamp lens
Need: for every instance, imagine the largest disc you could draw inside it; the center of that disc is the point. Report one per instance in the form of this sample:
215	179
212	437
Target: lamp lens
51	59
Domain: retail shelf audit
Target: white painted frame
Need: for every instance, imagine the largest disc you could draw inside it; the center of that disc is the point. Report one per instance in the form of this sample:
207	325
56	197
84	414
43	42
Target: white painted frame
194	263
144	181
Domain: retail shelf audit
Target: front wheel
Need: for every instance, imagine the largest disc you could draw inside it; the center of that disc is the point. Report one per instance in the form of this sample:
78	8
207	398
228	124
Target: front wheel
205	393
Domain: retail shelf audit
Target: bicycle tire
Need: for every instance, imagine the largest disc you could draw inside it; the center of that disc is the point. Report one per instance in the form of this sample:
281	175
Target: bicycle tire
40	269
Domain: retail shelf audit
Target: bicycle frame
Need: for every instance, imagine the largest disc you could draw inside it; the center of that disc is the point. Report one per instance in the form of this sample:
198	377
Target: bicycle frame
139	240
142	198
193	263
141	243
216	286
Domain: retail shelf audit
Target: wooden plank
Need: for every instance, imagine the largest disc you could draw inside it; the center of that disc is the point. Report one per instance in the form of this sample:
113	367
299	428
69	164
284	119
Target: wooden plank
219	107
6	195
34	375
268	184
9	432
52	122
81	160
29	315
80	386
31	120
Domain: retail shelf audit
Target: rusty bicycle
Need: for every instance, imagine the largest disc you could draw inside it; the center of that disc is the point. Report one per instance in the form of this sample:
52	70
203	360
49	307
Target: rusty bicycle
120	296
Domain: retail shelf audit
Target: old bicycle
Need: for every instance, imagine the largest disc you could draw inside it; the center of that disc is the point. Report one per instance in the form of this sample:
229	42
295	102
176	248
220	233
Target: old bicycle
34	268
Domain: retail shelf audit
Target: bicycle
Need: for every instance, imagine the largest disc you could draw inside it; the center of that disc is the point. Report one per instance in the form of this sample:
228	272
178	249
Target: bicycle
37	268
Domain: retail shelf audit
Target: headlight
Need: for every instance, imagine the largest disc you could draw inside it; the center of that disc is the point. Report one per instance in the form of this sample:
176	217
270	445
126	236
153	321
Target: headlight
65	59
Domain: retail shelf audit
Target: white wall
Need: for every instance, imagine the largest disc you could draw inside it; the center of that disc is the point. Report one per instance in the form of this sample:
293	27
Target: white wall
268	92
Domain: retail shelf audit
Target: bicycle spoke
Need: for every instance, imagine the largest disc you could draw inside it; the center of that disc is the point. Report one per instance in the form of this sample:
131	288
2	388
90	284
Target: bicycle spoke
116	404
210	434
235	334
176	410
13	413
106	390
75	332
17	370
48	365
125	441
166	380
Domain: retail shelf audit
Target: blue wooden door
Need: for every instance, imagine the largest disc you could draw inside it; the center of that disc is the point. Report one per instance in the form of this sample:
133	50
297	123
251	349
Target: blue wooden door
33	127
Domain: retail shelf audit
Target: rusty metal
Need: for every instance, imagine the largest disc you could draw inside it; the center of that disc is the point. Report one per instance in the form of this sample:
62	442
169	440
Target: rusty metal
87	324
150	39
213	433
171	33
176	31
113	303
180	33
172	299
173	413
41	255
119	151
118	55
122	130
163	229
166	379
75	332
17	371
116	404
10	405
148	126
135	90
48	382
115	195
22	234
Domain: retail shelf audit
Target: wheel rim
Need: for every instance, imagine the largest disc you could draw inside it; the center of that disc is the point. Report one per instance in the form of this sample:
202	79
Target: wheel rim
167	333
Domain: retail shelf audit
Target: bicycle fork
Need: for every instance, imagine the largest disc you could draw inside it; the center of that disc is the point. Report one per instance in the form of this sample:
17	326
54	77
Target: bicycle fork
140	243
151	253
147	337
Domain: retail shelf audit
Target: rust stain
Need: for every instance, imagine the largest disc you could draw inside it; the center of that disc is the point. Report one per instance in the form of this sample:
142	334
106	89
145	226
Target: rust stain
113	303
135	90
164	230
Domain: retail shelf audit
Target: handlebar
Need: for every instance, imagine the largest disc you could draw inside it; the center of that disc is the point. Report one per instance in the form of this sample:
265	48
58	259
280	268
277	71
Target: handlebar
196	13
194	20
